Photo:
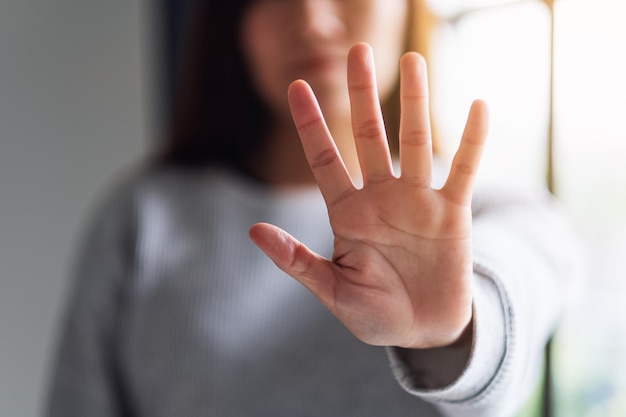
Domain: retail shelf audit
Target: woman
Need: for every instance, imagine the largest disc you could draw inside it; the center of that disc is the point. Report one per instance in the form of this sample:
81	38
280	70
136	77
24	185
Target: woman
418	304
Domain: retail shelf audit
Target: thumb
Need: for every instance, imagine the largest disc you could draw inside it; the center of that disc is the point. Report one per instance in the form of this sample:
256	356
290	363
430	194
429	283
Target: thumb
307	267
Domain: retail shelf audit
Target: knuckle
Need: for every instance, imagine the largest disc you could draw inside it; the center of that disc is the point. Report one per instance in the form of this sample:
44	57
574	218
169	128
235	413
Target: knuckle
413	97
458	200
418	181
324	158
300	262
463	168
341	197
377	178
370	129
307	124
416	137
362	86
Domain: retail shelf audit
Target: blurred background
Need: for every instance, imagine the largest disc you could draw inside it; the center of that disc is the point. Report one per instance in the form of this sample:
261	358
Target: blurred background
76	100
84	87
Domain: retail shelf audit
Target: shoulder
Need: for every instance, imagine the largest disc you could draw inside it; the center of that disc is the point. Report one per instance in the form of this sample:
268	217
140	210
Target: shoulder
129	192
146	197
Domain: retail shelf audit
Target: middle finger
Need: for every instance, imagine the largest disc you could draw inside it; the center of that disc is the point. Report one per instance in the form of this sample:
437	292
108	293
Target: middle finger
367	120
415	133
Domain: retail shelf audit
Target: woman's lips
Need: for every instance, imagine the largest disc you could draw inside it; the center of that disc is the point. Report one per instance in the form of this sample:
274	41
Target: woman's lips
317	64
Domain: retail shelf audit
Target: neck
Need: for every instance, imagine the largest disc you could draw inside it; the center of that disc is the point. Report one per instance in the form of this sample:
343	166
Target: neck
283	162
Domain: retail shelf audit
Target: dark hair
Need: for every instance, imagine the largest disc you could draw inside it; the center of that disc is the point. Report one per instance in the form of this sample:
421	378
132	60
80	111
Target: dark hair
218	117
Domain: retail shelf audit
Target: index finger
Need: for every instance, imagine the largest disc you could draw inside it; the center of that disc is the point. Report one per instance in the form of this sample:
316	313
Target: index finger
319	147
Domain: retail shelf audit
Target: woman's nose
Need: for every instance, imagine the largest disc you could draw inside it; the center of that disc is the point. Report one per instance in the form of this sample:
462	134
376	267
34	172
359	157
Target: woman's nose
320	19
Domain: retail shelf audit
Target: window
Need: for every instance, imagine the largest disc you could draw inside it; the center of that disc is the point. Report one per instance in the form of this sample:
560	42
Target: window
500	51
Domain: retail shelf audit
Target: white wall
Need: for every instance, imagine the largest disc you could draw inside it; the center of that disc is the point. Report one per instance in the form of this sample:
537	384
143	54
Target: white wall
74	109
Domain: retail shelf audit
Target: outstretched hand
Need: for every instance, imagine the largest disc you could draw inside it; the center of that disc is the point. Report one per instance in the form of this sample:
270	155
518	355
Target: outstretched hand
401	271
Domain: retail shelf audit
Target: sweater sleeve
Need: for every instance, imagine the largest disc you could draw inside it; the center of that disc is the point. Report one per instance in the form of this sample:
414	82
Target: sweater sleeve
524	255
85	378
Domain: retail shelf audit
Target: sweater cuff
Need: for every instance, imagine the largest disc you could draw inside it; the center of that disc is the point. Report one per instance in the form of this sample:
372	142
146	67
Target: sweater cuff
490	340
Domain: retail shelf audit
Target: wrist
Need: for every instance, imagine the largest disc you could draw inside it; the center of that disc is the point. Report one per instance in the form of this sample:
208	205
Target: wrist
466	338
441	366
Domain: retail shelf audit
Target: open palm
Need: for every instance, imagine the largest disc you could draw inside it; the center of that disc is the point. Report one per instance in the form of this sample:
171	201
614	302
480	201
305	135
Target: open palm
402	263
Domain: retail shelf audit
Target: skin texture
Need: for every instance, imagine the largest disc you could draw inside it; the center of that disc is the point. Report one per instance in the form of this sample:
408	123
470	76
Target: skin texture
285	40
401	270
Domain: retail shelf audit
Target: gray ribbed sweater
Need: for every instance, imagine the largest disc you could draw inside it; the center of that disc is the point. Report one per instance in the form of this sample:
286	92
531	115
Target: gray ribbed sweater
175	312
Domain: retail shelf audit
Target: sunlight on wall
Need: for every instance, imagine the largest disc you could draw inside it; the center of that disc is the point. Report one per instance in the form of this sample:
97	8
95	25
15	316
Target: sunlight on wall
501	54
590	99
